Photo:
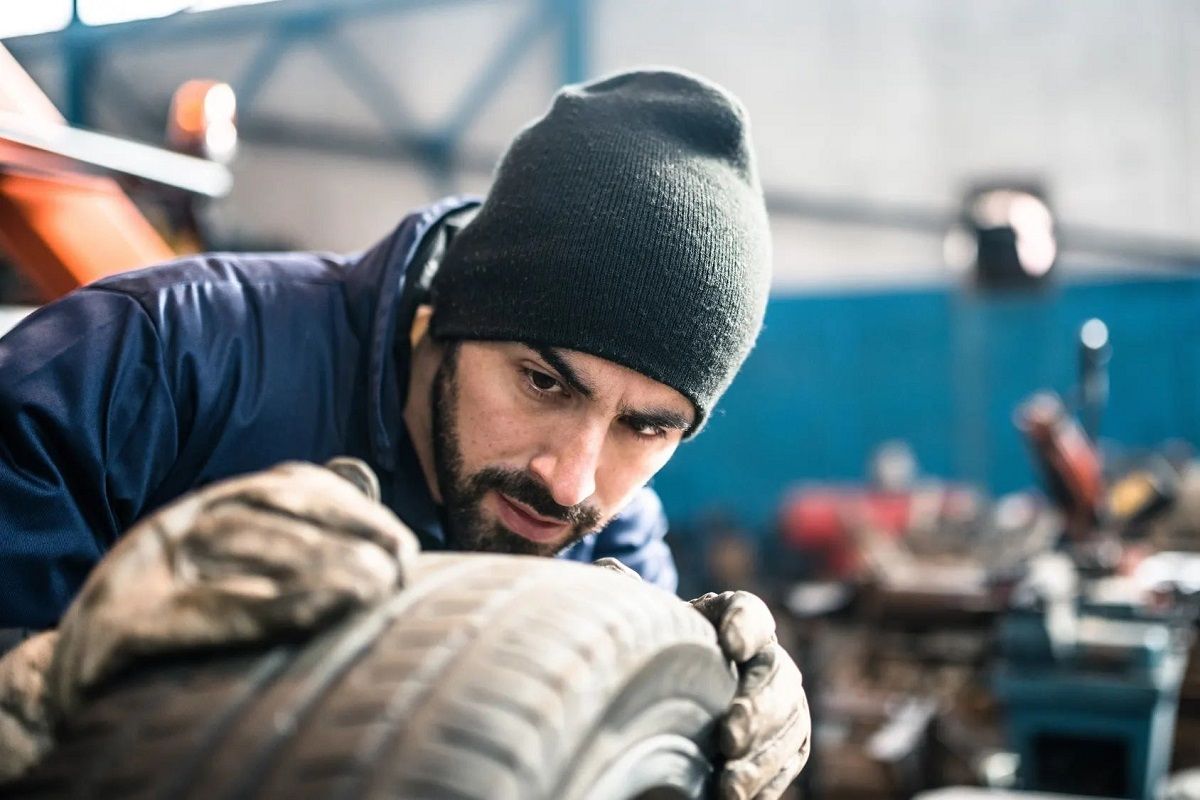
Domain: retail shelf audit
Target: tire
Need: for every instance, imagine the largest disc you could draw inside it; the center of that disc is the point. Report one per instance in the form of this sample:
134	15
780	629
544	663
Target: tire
486	677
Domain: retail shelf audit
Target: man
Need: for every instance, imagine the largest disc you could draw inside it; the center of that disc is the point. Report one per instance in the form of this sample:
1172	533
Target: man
514	379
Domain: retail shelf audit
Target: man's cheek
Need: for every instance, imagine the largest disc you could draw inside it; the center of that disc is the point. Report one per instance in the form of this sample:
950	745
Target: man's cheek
498	440
481	437
621	481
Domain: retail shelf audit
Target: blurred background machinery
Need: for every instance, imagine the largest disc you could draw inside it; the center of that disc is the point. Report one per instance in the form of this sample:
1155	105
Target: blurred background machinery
960	458
1047	639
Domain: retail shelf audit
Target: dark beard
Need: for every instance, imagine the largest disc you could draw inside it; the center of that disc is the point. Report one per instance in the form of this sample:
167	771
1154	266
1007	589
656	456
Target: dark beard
462	495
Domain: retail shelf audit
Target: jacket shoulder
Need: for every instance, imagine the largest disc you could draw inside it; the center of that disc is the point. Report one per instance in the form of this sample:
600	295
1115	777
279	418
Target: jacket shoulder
232	270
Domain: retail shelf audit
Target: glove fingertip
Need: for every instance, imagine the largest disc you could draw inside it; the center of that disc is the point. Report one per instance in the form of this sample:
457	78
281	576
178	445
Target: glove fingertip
735	780
704	604
783	779
735	731
733	643
616	565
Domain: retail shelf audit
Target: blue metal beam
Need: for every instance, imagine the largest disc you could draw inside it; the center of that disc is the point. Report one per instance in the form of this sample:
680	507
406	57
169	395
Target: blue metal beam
369	83
575	52
79	62
495	72
255	74
359	143
282	24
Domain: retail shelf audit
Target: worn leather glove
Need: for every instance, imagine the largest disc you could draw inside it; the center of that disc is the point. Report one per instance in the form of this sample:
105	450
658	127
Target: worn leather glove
765	734
26	730
275	552
270	553
614	565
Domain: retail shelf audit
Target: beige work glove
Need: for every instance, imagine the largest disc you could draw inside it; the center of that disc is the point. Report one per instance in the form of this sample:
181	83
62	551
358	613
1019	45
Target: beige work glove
26	731
765	734
245	560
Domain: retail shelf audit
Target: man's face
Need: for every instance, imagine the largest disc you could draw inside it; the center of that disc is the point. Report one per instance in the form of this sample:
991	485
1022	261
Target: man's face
534	448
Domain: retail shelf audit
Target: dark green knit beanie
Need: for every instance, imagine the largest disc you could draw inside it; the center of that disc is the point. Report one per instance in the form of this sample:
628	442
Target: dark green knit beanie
628	223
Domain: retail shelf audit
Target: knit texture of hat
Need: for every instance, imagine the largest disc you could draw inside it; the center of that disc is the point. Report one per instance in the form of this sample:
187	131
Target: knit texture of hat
628	223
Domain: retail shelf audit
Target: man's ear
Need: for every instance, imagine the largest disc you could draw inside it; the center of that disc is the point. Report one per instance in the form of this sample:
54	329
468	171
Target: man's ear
420	325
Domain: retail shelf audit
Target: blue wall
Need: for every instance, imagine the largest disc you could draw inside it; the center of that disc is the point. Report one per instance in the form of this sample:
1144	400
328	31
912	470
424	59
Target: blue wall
835	374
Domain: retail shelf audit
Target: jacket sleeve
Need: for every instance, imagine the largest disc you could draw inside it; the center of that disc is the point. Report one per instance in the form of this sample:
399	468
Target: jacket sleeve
636	537
87	428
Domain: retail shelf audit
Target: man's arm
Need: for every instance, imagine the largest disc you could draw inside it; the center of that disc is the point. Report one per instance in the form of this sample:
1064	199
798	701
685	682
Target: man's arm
87	429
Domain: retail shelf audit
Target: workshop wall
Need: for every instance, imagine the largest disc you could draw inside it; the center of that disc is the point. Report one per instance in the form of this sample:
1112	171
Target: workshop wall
885	102
896	104
835	374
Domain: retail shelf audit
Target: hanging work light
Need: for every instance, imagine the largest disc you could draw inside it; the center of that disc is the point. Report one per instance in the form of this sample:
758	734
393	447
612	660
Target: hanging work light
203	120
1005	236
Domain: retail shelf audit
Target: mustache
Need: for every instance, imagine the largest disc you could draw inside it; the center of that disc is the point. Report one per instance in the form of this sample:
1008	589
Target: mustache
533	493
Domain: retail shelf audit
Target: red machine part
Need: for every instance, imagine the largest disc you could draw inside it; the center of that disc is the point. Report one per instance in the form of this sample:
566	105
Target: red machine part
817	522
825	522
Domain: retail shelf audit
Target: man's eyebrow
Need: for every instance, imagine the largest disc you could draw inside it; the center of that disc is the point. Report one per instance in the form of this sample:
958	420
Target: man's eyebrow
656	418
564	369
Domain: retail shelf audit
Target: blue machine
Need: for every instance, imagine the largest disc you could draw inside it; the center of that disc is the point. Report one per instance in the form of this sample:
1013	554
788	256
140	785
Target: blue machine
1091	699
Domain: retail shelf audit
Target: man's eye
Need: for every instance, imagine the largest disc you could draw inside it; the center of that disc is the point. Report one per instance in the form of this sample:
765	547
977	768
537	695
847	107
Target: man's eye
542	383
649	431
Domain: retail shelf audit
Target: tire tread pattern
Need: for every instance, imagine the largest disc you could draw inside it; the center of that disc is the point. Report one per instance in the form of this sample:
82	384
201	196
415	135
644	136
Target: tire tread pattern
482	679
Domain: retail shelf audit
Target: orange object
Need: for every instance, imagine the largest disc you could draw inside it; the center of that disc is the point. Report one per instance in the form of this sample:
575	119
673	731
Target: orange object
60	227
64	231
1070	461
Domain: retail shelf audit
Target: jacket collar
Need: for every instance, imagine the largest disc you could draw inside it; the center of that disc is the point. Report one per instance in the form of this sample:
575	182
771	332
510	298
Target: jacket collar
384	287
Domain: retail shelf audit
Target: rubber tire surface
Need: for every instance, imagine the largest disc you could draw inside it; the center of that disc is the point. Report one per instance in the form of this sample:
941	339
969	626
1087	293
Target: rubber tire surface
487	677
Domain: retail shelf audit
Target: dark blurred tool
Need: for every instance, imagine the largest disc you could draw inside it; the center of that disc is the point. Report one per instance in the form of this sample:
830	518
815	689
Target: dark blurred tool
1117	507
1069	462
1094	355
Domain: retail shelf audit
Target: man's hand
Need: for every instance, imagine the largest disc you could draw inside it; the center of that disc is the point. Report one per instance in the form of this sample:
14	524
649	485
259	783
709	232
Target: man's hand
765	734
26	727
275	552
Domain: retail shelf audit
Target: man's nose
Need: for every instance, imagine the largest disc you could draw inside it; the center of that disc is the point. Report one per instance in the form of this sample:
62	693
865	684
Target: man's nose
567	465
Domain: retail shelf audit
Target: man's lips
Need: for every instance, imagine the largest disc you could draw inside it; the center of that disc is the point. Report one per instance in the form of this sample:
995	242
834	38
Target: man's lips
524	521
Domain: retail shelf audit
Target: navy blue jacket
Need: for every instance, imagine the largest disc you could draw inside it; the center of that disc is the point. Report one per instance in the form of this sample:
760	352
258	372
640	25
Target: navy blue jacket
129	392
